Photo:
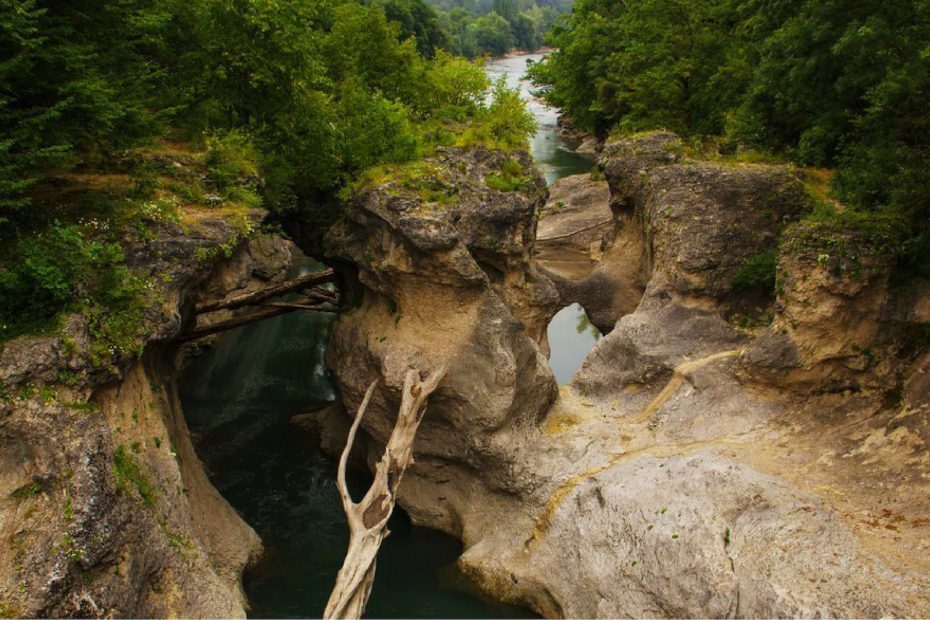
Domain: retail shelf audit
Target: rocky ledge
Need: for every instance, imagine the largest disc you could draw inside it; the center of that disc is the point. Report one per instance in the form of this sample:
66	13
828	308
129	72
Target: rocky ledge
105	508
720	453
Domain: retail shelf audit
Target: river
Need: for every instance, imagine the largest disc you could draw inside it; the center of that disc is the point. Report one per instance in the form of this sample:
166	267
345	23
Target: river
239	398
571	335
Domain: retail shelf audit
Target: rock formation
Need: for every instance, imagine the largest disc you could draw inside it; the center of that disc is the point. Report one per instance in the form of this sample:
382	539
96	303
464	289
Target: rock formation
727	449
701	463
105	509
589	252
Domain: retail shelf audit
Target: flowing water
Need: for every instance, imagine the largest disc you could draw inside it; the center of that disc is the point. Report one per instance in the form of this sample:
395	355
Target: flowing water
570	333
239	398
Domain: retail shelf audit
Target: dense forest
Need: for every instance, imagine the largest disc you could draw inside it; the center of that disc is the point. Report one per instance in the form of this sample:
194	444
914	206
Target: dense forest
494	27
842	85
290	100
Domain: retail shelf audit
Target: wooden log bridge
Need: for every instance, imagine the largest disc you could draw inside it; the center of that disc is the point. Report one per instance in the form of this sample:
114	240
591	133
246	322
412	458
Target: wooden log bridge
314	297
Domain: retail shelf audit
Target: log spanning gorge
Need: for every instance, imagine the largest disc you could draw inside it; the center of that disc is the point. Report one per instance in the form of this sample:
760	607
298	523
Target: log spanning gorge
252	401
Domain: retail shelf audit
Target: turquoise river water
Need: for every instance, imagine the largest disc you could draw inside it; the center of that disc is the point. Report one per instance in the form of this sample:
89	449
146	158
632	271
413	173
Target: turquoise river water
238	399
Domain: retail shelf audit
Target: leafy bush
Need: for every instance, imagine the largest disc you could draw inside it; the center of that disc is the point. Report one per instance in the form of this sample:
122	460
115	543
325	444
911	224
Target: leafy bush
232	162
63	269
505	123
757	274
454	88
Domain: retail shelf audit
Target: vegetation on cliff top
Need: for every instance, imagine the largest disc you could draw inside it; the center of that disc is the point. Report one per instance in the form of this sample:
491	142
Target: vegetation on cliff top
279	102
838	84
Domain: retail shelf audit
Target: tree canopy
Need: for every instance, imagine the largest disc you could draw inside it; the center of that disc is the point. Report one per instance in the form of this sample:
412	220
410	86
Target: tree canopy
297	97
478	27
840	84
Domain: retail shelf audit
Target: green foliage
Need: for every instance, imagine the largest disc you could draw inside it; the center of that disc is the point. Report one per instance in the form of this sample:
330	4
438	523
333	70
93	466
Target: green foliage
75	76
841	84
454	88
232	163
757	274
130	479
293	100
504	124
511	178
419	20
641	65
61	269
847	235
30	490
492	34
477	27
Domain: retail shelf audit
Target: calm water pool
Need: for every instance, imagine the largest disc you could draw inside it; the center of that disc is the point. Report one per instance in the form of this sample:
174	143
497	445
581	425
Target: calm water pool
571	336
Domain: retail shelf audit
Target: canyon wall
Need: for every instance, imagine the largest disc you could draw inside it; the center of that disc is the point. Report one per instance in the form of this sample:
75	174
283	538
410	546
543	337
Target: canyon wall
105	509
720	453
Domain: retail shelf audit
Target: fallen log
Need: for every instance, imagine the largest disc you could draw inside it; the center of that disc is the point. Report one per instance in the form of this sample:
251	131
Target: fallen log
574	232
275	290
267	311
368	518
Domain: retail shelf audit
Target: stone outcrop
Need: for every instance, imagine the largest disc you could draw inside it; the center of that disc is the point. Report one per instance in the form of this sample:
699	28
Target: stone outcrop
838	324
105	509
693	467
594	257
448	284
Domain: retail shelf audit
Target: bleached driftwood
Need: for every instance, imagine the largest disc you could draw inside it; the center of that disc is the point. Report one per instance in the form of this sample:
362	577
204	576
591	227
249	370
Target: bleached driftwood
368	518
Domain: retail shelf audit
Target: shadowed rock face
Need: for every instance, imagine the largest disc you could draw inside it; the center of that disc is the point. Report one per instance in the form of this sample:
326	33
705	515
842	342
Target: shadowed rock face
594	257
690	469
105	509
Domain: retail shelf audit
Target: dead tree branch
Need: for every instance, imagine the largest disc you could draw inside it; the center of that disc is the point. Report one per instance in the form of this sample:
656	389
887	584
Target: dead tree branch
368	518
276	290
266	311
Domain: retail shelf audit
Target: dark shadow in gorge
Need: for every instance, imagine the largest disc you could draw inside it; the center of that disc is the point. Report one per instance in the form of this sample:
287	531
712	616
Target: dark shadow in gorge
238	399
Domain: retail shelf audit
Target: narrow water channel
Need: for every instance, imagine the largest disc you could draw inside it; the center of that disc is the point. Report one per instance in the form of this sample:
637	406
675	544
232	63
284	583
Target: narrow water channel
239	399
570	333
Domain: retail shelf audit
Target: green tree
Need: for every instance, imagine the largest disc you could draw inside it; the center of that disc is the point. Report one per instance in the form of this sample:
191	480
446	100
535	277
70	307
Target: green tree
492	34
523	29
417	19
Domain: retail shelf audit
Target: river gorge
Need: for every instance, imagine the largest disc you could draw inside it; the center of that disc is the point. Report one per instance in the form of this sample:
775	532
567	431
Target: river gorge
240	398
625	427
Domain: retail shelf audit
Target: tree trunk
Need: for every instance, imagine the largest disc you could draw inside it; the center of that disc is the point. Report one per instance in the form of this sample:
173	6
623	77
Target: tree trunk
368	518
266	311
275	290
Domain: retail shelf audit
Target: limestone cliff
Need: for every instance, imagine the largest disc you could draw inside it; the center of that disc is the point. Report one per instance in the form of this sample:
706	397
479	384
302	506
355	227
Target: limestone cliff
105	509
700	463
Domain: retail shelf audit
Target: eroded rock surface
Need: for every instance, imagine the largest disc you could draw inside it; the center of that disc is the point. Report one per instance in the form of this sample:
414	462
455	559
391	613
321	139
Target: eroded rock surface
694	467
105	508
594	258
449	284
